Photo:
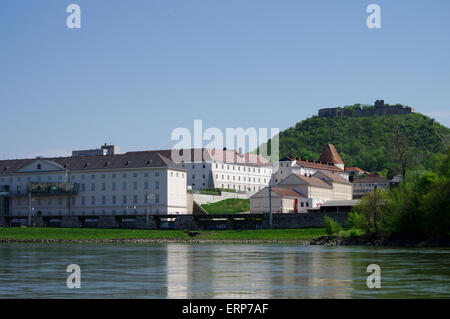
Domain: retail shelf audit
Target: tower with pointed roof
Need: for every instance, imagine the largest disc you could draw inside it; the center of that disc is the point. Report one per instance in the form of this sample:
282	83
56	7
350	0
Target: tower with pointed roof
330	155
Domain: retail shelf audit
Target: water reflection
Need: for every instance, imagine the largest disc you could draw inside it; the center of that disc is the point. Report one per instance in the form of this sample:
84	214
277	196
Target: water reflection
220	271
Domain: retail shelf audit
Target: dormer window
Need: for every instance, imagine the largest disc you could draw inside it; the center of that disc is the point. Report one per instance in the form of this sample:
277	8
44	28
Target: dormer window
39	166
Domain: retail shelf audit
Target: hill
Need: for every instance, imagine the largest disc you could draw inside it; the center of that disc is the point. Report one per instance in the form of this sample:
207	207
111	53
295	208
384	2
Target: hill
367	142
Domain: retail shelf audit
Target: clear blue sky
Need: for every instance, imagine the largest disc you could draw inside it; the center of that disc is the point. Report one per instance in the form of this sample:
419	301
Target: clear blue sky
138	69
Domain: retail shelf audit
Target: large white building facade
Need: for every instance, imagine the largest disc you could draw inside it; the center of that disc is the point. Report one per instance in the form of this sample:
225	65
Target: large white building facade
212	168
127	184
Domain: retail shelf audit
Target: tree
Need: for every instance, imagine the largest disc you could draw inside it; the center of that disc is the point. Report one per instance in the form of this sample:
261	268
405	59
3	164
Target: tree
401	143
372	208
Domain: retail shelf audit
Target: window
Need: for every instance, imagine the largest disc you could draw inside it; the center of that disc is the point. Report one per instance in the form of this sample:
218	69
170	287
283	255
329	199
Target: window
145	185
145	174
124	175
93	187
114	199
83	200
124	199
93	200
135	174
157	184
103	176
113	175
83	187
135	185
124	186
103	200
135	199
157	198
113	186
103	186
92	176
39	166
156	173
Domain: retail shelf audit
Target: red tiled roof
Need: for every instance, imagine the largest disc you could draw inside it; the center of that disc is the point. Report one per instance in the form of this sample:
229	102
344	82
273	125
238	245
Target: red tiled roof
286	192
314	164
335	177
355	169
314	181
311	164
330	155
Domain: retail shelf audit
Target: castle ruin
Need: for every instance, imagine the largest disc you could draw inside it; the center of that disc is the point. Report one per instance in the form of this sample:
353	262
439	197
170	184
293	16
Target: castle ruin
379	109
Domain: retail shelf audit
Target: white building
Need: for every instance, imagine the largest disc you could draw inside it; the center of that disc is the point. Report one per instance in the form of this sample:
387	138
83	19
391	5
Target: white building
283	201
311	187
298	193
367	184
329	161
128	184
212	168
342	188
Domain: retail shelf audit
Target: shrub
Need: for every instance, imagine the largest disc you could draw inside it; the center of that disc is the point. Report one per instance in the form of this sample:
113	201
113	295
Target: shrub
331	226
356	221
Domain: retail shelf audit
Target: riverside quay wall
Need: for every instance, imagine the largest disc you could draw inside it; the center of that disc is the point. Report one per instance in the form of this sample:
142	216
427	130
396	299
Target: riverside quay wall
183	222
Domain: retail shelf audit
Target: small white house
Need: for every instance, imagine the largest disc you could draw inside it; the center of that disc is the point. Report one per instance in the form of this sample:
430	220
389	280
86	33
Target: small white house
284	201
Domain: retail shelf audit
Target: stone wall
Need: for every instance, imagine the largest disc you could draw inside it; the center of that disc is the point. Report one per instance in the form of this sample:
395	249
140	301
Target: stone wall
308	220
359	112
190	222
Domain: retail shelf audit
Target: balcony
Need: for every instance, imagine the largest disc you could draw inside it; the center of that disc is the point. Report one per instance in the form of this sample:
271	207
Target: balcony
48	189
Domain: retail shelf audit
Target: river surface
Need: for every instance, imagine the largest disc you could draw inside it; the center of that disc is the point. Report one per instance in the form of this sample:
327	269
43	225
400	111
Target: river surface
221	271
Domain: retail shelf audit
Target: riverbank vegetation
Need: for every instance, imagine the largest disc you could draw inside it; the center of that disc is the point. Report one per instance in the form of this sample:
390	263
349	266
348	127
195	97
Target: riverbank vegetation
24	233
418	207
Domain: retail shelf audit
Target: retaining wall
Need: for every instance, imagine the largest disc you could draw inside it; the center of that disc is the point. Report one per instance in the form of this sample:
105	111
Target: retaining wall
205	199
191	222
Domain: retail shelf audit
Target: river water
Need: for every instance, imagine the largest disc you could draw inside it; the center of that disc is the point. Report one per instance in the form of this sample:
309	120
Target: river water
221	271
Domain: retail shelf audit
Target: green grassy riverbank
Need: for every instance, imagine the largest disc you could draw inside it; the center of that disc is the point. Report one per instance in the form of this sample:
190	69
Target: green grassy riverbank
86	234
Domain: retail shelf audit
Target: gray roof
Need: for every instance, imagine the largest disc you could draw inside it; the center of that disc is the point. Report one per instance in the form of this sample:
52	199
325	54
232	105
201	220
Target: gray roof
342	202
79	163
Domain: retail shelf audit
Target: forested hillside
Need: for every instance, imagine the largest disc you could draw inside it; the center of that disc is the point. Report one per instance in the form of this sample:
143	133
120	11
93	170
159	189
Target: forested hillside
371	143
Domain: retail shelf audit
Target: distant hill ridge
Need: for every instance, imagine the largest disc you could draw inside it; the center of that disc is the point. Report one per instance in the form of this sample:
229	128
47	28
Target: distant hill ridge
378	109
366	141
